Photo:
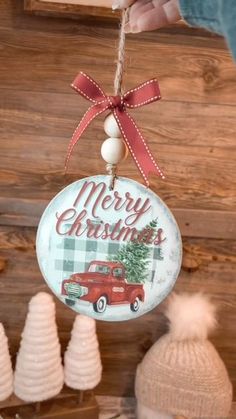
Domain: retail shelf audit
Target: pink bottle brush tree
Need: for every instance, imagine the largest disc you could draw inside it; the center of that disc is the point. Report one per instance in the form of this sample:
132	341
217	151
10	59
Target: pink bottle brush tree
82	361
39	371
6	375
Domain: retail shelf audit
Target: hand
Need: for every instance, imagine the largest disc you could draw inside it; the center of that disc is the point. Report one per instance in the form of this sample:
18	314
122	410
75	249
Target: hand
148	15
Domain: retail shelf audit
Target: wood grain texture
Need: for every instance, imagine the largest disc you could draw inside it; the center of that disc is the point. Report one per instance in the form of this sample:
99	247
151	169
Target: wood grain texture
201	152
123	343
64	406
204	158
192	223
43	64
70	8
191	132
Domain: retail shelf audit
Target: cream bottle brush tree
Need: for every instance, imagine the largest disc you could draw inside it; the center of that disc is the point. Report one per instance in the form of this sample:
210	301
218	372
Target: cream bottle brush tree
39	371
6	376
82	362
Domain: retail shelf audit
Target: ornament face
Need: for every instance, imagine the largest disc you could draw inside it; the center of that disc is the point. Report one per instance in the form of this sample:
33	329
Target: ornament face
112	255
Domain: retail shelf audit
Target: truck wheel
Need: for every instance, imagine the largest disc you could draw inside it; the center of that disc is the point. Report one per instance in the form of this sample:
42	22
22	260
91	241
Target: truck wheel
135	305
100	305
69	302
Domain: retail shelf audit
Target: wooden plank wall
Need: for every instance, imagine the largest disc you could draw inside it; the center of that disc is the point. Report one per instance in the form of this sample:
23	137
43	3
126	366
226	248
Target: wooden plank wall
191	131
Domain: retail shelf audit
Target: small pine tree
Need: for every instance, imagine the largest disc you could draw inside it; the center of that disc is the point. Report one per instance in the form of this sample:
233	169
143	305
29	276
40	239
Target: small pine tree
82	362
39	371
135	254
6	376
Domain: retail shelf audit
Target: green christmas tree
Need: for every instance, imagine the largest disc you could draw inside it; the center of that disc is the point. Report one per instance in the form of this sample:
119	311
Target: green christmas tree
135	255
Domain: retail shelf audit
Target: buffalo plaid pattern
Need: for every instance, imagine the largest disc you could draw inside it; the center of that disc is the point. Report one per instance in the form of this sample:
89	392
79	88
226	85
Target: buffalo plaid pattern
74	255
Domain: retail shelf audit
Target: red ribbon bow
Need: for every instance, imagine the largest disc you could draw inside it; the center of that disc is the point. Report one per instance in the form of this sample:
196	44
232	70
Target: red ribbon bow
141	95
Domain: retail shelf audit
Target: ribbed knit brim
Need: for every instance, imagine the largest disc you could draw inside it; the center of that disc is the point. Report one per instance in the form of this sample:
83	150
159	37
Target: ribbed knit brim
184	378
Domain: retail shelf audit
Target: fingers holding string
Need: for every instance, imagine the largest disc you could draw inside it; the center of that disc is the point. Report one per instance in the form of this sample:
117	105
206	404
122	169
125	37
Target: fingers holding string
140	8
147	15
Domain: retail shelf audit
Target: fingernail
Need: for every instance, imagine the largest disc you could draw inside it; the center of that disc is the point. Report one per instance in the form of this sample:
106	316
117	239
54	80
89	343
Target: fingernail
115	5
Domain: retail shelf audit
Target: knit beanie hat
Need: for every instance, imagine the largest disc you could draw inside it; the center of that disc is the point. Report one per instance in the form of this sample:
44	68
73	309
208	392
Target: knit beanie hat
182	373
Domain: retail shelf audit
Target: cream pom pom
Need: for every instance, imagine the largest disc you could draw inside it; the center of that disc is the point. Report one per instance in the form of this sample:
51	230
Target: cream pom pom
191	316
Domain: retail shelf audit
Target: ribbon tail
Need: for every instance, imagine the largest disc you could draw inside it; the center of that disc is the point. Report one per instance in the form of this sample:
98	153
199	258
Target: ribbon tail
143	94
88	117
137	145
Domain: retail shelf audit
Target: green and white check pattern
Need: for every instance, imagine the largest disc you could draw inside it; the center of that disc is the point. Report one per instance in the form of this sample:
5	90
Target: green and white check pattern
75	254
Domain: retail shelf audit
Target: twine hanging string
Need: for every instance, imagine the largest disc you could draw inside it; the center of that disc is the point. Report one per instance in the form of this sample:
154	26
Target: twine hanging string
111	168
121	54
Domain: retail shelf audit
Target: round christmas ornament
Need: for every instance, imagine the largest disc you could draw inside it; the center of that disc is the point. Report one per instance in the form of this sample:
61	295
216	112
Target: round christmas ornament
107	246
110	254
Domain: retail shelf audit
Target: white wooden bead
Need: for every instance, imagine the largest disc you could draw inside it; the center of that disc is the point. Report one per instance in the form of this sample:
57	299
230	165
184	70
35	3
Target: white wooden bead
113	150
111	127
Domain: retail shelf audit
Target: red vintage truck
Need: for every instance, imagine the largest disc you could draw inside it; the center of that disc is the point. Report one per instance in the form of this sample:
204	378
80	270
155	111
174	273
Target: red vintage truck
103	284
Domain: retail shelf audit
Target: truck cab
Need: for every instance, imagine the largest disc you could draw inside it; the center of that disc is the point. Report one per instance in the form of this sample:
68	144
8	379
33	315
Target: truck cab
103	284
